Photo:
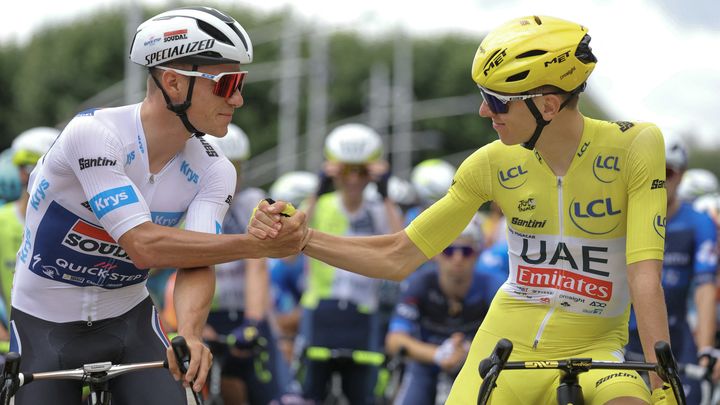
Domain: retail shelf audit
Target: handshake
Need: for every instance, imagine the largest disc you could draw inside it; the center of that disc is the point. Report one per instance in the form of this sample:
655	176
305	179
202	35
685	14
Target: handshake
280	228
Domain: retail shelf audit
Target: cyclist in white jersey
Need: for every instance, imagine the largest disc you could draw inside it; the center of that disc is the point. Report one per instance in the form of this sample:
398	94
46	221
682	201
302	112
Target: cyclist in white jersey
103	204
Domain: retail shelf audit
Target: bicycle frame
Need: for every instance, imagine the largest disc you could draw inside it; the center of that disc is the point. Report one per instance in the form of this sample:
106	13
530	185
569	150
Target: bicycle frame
569	390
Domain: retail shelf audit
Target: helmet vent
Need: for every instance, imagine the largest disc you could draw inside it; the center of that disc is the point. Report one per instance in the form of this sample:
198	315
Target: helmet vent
537	20
584	52
213	32
534	52
517	76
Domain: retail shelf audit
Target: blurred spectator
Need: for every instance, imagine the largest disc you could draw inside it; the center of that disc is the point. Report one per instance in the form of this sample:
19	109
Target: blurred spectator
439	311
340	309
696	183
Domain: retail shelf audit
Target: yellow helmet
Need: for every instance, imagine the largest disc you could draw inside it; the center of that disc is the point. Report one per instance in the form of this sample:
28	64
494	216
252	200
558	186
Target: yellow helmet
534	51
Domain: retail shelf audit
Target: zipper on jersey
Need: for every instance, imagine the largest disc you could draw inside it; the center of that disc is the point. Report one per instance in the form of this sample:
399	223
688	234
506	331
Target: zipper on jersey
550	312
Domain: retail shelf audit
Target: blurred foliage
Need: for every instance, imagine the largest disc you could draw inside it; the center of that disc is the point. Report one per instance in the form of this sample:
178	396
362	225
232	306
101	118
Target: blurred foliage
47	80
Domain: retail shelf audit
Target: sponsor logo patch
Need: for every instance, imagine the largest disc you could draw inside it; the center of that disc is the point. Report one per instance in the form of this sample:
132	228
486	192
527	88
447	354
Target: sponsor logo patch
95	162
565	280
112	199
512	178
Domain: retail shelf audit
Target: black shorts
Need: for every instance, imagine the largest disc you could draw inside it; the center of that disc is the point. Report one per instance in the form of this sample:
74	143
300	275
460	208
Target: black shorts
130	338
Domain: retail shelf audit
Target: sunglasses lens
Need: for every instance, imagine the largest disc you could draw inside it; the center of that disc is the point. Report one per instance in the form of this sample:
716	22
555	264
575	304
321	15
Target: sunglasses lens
495	104
466	251
226	86
358	169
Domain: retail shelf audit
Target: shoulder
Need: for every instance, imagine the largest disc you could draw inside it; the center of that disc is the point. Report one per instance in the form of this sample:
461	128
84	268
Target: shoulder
624	133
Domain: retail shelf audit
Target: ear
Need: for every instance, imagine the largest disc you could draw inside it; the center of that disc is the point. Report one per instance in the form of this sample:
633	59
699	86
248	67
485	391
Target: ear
174	84
550	105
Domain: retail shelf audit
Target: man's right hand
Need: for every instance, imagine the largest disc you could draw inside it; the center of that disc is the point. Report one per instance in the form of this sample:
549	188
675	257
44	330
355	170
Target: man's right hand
281	235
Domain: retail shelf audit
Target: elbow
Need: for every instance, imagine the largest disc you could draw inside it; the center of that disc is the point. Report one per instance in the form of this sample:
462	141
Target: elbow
138	244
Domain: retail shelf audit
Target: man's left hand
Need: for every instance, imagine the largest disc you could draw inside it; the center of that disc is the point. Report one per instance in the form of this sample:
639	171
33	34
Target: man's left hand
200	361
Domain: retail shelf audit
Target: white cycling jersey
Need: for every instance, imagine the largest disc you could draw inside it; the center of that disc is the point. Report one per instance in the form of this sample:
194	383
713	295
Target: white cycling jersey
90	188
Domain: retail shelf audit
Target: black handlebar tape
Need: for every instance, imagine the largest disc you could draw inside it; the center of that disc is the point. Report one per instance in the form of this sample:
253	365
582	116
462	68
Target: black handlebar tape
12	365
182	353
498	357
665	359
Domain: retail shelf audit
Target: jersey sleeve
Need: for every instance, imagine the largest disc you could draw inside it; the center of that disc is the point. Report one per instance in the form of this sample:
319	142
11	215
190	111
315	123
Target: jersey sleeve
647	199
705	250
438	226
207	210
95	156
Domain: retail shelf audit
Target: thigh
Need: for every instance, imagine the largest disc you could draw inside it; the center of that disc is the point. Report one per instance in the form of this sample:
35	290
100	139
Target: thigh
145	342
601	386
358	382
316	379
513	387
30	338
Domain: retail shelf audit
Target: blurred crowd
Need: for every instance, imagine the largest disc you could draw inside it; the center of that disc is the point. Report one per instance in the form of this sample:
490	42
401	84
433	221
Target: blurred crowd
295	327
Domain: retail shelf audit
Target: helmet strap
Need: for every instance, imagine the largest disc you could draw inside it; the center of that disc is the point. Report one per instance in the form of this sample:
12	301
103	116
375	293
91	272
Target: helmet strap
181	109
540	121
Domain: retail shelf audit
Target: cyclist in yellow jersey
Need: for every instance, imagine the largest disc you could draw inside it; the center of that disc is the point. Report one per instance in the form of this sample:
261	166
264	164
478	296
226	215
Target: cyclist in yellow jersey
585	206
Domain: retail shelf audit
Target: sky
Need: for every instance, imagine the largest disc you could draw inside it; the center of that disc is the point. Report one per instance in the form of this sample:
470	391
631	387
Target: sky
658	60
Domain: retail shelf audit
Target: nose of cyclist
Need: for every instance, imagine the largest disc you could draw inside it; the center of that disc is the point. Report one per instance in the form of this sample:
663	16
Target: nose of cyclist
236	100
485	110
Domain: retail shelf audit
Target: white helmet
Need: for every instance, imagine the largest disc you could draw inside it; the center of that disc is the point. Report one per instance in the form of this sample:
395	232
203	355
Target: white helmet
399	190
194	35
710	204
294	187
354	144
432	178
234	145
676	153
697	182
30	145
474	231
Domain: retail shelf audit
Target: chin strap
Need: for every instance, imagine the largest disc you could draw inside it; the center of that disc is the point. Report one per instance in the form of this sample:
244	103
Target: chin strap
540	121
181	109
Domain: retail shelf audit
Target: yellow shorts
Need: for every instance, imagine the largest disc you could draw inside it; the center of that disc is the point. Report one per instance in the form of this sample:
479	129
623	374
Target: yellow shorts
538	387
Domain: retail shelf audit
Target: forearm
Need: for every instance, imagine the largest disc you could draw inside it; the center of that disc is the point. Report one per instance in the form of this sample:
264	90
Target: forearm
705	304
649	303
416	349
151	245
392	257
257	287
194	289
395	219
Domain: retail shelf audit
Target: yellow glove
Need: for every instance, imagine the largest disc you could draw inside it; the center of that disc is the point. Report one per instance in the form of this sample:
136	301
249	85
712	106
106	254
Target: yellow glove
663	396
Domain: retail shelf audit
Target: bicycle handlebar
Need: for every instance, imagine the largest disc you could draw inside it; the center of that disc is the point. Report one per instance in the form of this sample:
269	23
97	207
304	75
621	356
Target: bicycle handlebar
489	368
92	373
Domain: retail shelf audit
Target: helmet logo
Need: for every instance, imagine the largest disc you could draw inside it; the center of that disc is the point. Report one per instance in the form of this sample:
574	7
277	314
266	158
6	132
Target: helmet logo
174	35
558	59
495	60
174	52
151	41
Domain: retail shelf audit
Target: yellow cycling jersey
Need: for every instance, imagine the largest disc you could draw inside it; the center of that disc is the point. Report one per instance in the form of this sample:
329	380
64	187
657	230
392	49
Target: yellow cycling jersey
570	237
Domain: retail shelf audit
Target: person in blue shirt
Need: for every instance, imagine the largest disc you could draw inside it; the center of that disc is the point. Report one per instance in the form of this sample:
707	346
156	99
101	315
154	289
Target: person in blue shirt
690	264
440	308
